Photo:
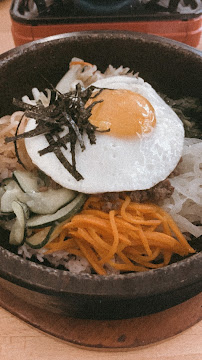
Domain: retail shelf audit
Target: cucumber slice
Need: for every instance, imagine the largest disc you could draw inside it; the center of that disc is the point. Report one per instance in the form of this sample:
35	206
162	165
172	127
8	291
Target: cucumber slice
5	216
10	184
48	202
2	191
18	230
41	202
27	181
25	209
6	181
43	237
65	213
39	239
12	193
25	189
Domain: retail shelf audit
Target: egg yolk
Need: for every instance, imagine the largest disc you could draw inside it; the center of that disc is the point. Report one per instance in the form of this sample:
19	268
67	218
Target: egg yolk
123	112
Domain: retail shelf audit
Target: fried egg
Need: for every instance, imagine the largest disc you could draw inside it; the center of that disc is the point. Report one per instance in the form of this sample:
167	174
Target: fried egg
141	147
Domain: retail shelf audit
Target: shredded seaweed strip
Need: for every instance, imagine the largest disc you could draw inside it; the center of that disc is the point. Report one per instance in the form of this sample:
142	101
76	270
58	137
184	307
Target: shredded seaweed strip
15	144
65	110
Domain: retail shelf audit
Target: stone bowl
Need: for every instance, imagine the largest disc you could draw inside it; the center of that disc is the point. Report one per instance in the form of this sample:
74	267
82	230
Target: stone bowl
170	67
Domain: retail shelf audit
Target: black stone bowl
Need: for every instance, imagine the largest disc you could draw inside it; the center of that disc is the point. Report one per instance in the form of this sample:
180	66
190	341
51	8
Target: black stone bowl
172	68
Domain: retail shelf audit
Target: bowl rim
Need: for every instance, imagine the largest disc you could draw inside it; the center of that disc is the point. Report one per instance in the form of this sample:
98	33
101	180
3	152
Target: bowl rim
45	279
97	33
41	278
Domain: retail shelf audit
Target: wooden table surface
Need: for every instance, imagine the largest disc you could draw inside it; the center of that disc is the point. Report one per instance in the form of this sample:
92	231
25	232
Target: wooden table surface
20	341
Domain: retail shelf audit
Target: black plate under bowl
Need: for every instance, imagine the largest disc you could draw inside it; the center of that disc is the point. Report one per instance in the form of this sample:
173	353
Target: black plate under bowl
172	68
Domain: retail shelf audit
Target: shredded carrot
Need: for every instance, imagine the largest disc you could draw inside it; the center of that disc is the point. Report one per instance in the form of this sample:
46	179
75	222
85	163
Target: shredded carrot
90	255
177	232
115	243
135	237
144	241
97	238
167	256
83	63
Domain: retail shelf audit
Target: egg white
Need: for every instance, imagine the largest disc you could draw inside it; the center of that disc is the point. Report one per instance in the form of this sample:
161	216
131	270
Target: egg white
118	164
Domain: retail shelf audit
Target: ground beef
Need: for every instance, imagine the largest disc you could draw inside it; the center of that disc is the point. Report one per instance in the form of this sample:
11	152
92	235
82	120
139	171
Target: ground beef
111	201
161	191
176	171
